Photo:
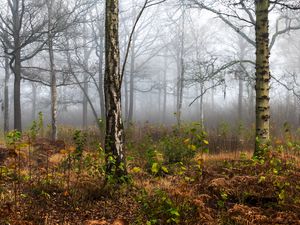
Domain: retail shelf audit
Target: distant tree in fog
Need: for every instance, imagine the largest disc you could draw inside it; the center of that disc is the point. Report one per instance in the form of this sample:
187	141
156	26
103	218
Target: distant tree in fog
22	26
5	103
50	9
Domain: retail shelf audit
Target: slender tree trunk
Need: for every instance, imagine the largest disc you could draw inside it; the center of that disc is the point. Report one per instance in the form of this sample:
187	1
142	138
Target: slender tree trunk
175	87
132	73
52	73
17	91
84	100
165	88
159	99
212	100
242	46
15	65
101	92
201	104
295	109
240	98
114	139
34	94
126	90
85	103
6	96
86	56
69	60
288	106
126	102
262	77
131	81
180	69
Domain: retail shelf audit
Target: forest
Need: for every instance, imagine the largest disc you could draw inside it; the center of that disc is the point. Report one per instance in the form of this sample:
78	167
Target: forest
145	112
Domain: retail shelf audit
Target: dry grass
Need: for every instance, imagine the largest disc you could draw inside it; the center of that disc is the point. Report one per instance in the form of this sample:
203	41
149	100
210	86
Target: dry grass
225	156
252	190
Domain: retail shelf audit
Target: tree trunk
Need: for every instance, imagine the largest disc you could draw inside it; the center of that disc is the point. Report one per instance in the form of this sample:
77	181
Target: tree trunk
126	96
6	96
212	100
288	106
114	139
33	112
241	46
201	104
101	92
86	56
85	102
52	74
70	68
240	98
15	65
131	81
125	82
159	99
165	88
262	77
17	91
131	91
180	70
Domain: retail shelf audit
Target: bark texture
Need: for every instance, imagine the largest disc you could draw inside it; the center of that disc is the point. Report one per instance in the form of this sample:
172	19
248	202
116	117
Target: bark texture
114	139
262	77
131	82
15	64
101	93
6	97
180	69
52	74
34	97
17	88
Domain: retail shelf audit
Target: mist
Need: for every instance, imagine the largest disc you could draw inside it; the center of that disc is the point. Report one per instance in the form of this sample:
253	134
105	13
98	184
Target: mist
155	79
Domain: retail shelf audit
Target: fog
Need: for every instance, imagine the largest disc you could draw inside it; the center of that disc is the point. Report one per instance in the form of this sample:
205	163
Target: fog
184	63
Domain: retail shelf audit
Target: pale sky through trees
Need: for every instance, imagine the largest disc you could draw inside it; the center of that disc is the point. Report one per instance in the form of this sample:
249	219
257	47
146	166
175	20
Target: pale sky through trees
156	38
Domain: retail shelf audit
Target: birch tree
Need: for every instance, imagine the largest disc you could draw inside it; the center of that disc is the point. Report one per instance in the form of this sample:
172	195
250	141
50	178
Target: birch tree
53	82
114	139
257	18
262	76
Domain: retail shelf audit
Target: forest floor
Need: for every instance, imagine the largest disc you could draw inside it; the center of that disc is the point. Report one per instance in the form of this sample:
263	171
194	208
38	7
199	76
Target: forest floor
45	183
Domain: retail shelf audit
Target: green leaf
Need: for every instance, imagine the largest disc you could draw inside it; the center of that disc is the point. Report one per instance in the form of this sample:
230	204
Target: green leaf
205	142
289	144
165	169
155	168
136	169
261	179
192	147
174	212
281	195
206	150
129	158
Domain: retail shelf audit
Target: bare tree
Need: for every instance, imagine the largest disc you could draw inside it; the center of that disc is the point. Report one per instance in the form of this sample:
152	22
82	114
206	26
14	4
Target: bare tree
50	8
23	26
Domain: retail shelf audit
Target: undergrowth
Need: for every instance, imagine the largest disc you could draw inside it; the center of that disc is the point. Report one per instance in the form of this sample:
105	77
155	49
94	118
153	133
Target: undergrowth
173	179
